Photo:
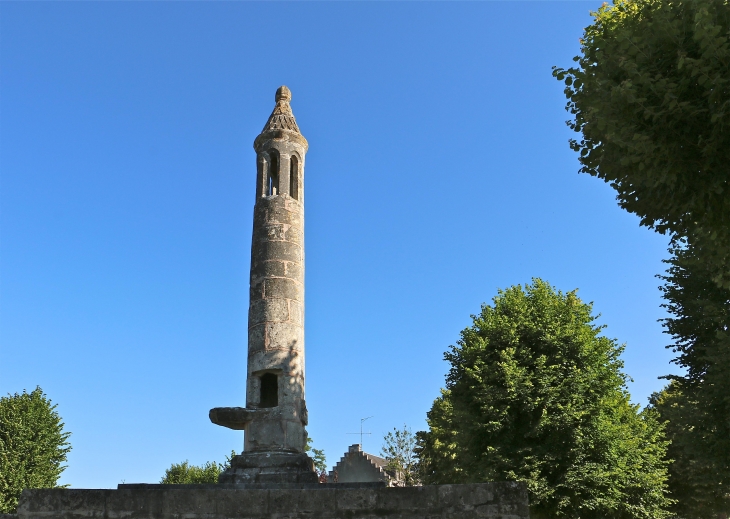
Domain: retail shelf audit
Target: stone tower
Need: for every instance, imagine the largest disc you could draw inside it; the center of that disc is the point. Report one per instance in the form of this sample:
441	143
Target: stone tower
275	414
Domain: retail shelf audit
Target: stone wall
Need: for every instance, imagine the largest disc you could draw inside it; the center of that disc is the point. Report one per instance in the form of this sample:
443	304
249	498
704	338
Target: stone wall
326	501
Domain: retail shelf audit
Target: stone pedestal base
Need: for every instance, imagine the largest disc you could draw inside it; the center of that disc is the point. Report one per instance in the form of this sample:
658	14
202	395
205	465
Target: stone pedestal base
269	467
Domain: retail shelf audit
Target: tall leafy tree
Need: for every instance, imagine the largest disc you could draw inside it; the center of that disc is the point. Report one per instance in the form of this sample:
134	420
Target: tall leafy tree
536	394
33	445
650	95
697	403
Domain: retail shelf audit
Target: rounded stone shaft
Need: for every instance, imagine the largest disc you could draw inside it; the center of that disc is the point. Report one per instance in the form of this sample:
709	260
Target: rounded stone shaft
275	383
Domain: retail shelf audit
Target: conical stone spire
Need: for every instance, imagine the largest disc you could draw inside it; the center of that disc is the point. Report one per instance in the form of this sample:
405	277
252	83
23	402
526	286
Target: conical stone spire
282	117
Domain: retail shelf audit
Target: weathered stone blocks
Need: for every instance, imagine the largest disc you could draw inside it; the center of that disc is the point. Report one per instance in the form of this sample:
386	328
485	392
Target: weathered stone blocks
272	359
284	336
276	213
294	271
235	503
293	234
283	288
259	500
271	269
277	250
256	338
296	312
266	310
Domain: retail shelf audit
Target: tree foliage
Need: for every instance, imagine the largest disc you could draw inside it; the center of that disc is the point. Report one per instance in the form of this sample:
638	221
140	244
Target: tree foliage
535	394
399	448
186	474
651	98
696	479
697	404
33	445
317	455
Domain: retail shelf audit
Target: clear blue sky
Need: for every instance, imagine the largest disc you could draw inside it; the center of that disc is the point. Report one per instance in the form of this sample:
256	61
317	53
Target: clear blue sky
438	171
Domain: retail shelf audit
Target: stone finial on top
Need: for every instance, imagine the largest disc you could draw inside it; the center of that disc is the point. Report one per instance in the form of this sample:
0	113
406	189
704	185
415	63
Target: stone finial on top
283	93
282	117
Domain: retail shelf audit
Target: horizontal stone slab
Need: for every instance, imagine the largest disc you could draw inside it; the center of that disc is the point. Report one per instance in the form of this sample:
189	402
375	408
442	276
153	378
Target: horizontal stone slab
238	417
506	500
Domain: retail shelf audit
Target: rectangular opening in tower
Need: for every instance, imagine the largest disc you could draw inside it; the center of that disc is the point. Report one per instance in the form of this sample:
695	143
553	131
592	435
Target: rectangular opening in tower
269	390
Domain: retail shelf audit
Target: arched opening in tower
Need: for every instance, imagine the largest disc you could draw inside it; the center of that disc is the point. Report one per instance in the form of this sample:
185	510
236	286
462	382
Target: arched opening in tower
294	178
269	390
272	187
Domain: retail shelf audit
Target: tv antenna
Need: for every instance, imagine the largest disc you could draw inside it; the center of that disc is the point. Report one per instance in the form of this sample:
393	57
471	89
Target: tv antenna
362	420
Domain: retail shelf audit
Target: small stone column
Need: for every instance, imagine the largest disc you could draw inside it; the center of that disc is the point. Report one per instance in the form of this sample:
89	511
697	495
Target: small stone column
275	414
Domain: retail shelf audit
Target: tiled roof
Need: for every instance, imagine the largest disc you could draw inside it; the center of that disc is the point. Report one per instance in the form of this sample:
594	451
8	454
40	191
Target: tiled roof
376	460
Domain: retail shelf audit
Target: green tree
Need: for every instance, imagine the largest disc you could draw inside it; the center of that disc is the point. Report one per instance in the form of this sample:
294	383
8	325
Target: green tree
33	446
695	479
186	474
650	96
399	448
697	404
317	455
535	394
